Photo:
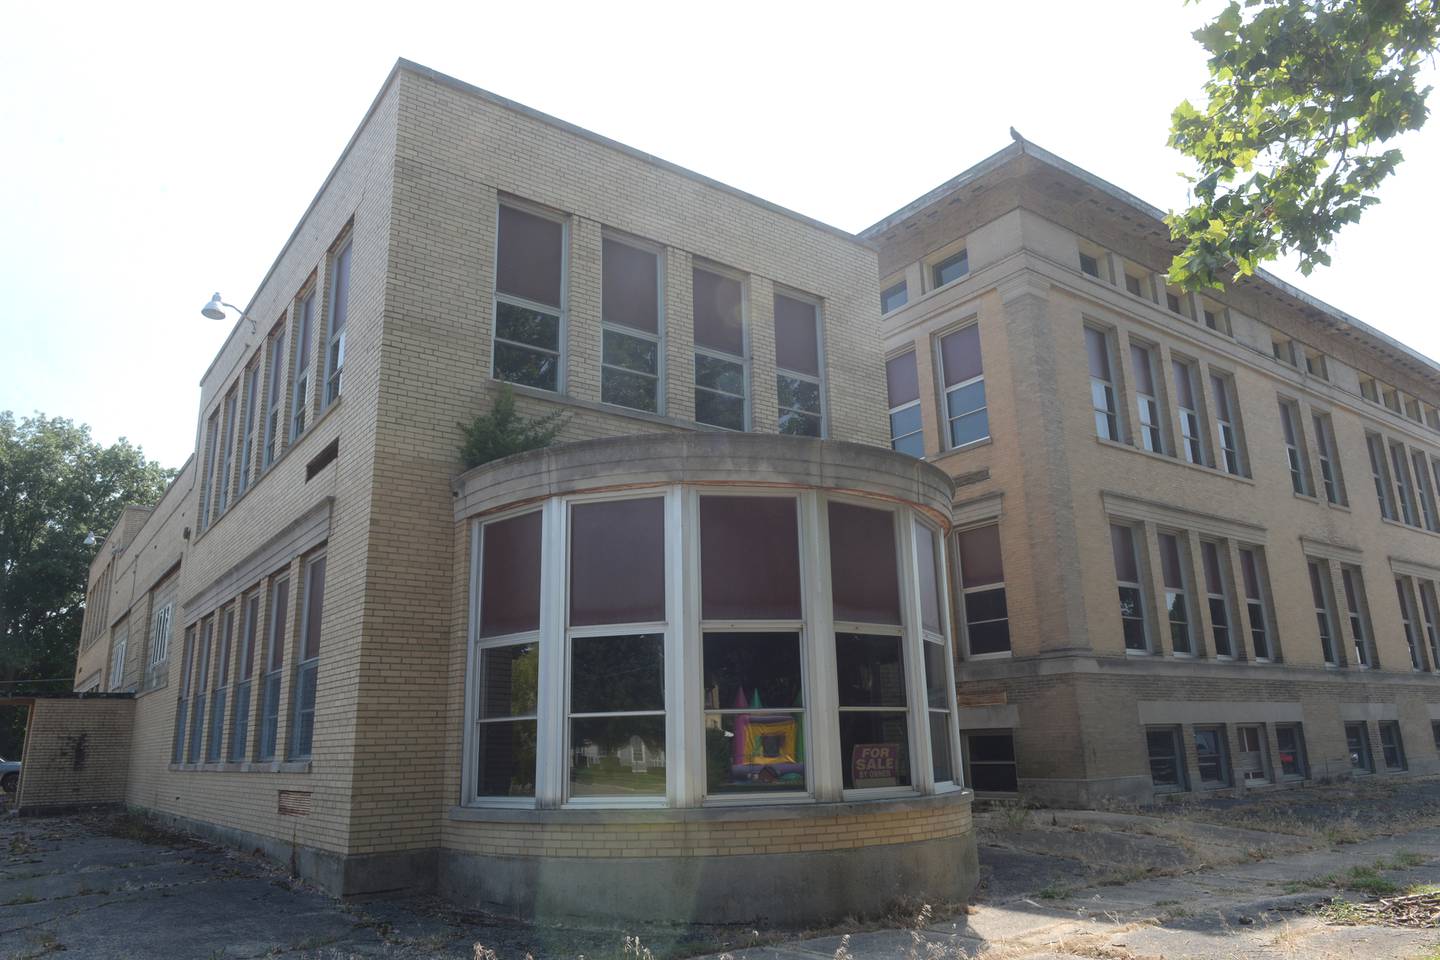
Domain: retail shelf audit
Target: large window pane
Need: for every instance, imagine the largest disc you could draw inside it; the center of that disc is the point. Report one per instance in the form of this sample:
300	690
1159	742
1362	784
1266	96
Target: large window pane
508	681
864	578
874	749
617	674
1167	769
617	562
982	579
750	744
754	753
505	759
505	733
870	670
991	759
617	756
724	376
510	576
929	577
902	382
630	287
717	312
797	345
527	263
960	355
752	670
719	410
749	559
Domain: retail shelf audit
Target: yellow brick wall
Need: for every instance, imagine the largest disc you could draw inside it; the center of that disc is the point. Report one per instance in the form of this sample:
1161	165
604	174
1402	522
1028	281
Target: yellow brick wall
76	752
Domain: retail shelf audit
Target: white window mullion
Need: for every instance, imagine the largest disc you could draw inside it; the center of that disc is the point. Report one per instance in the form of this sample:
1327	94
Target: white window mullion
468	771
551	757
821	695
681	668
922	770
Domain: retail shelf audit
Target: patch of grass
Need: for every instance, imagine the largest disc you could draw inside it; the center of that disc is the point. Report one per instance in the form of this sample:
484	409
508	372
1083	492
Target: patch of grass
1015	816
1054	891
1368	880
1340	911
1405	859
1422	889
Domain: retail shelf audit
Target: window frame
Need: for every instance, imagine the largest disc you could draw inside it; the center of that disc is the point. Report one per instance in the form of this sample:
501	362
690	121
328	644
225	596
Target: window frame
960	592
1139	586
302	665
1109	390
1194	438
334	368
242	701
743	360
1410	622
1222	756
1332	476
907	405
267	742
119	643
1322	595
1262	600
1149	404
1185	591
949	421
301	396
1357	609
1224	577
250	397
1176	757
1302	481
1222	384
819	379
903	286
658	338
1380	473
1302	760
1404	483
561	353
1365	754
937	264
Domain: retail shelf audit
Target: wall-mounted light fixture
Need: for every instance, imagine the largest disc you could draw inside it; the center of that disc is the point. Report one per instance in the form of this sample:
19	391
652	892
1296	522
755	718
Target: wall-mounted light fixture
214	310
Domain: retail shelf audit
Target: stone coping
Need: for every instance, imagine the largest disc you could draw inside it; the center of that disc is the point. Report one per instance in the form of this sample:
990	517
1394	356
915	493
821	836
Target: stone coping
933	803
717	459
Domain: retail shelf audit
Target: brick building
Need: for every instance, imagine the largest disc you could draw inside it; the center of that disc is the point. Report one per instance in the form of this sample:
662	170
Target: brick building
1198	542
692	661
701	658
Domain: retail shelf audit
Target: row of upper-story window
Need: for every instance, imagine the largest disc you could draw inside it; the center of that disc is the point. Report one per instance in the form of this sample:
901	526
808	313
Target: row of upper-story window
532	316
274	399
221	713
1137	547
1207	429
947	265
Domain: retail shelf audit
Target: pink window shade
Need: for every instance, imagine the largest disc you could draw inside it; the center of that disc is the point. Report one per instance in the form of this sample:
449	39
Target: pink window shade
980	562
929	578
864	581
314	609
901	379
630	294
797	330
717	312
960	355
1098	350
1250	575
1144	376
1183	389
1210	554
1122	545
510	576
530	252
749	559
1222	397
617	562
1170	562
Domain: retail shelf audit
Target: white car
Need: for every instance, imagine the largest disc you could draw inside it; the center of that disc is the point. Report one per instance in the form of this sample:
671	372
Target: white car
9	775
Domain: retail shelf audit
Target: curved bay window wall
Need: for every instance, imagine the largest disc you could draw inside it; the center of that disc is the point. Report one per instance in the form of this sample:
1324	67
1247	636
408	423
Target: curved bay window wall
694	644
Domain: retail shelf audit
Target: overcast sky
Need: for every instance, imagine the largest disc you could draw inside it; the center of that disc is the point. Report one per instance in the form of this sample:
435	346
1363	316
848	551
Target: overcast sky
153	156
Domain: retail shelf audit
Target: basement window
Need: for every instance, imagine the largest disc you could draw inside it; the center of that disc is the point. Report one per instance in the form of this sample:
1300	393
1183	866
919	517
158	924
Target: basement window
1357	741
1167	761
990	761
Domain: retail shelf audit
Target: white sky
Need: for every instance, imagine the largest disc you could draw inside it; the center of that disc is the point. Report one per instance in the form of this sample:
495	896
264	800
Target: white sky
149	156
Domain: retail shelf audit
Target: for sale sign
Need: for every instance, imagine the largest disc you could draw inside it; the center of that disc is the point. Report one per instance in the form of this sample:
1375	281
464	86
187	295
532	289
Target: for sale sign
875	765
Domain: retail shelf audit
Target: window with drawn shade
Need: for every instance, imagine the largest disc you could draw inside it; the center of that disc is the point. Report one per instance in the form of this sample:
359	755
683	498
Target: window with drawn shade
182	702
219	687
1408	621
1187	402
902	384
274	667
874	707
1147	399
1300	479
1430	613
1359	611
1102	384
1253	576
1217	596
339	314
965	410
982	586
1379	475
616	717
1324	618
1330	475
199	685
1404	492
509	657
797	367
1174	571
630	326
721	372
529	270
1231	458
755	721
307	669
300	399
1132	595
274	397
244	672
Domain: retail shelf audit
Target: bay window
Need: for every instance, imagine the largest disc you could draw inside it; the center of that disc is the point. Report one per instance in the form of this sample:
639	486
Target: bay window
663	648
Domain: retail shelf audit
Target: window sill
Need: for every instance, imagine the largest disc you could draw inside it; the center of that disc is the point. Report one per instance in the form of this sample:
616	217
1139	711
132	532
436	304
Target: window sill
1406	526
1166	458
611	409
1307	498
808	809
956	451
1138	653
1000	655
260	766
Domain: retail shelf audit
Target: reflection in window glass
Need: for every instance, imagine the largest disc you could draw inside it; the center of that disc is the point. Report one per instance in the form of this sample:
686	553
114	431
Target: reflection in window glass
505	726
617	716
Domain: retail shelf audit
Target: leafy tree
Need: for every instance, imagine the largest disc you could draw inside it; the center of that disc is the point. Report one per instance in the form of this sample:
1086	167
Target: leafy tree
503	431
1302	95
56	485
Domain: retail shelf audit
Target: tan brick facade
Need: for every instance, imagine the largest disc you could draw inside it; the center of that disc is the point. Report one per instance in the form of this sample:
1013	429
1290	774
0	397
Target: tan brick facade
1076	702
77	753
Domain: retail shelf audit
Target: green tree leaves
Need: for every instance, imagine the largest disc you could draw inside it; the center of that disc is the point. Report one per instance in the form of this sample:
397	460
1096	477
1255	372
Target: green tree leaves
1302	96
56	485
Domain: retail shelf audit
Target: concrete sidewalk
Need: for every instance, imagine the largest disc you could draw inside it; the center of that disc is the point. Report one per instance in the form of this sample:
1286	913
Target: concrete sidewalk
1237	910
